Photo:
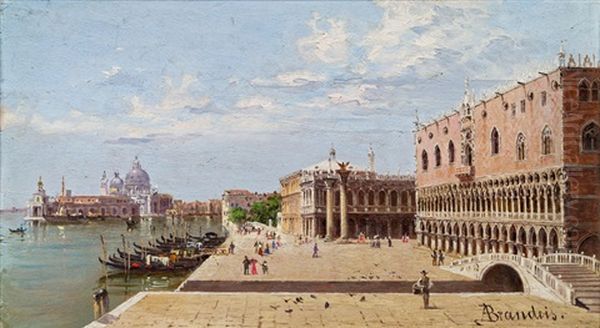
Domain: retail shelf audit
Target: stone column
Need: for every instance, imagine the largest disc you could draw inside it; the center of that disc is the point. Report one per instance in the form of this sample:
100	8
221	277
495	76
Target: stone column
389	227
344	173
329	183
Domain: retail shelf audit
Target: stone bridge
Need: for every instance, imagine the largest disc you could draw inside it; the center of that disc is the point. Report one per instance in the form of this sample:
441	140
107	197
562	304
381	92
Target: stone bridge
562	277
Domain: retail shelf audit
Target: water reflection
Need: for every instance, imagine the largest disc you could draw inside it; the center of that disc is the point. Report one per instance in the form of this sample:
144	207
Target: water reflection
49	273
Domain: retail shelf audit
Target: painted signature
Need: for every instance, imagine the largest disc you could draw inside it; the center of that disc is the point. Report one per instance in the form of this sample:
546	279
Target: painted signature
491	315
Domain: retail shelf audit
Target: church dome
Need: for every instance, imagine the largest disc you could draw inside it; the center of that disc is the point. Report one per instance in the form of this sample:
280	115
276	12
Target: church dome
115	186
137	178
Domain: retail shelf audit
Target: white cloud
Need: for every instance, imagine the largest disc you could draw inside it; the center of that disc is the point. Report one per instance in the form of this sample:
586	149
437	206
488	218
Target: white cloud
256	102
430	36
75	122
291	79
352	94
328	45
10	118
175	98
111	72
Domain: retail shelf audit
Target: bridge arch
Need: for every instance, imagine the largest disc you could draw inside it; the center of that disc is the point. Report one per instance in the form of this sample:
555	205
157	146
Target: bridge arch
504	276
589	245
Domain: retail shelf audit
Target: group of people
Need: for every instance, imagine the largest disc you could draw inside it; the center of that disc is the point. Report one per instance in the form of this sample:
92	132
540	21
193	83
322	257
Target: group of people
437	257
250	266
268	247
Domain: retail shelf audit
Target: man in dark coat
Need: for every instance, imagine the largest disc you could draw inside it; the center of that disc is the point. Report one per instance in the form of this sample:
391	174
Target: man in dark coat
246	264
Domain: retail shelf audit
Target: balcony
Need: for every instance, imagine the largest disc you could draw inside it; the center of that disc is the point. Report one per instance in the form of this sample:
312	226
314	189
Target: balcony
465	172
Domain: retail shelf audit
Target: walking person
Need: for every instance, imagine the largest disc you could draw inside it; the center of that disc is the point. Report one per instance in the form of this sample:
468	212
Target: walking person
253	269
434	257
256	246
231	248
315	251
423	286
246	263
389	241
265	268
440	257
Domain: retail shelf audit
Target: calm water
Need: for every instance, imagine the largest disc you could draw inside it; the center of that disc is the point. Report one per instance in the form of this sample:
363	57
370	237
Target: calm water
48	275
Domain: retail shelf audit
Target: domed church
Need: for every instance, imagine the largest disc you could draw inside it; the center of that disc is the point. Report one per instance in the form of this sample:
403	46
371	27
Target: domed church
137	187
137	180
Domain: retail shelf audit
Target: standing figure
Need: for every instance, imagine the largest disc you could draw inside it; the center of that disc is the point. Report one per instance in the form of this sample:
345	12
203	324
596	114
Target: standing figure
315	251
265	268
260	250
440	258
253	269
423	285
246	264
256	246
389	241
231	248
434	257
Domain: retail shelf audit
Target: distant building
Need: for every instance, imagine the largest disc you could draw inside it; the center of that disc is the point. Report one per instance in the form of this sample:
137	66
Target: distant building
118	198
239	198
376	204
518	172
208	209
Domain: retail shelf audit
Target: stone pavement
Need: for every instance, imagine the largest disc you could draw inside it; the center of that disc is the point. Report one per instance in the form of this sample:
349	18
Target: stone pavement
337	262
344	310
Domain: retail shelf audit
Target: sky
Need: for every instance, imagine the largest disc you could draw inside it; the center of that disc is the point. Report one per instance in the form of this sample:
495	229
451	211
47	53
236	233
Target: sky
221	95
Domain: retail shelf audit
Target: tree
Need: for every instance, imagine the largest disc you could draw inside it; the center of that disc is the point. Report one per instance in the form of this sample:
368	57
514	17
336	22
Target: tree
266	210
238	215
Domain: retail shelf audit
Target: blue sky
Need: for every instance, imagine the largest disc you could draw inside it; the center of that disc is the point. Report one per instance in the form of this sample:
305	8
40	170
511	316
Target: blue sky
218	95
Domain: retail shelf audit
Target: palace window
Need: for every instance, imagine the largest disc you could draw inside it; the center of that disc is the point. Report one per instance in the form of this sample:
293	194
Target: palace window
450	152
546	141
495	141
382	197
520	147
424	161
584	91
468	159
438	156
522	106
371	197
543	98
595	91
394	198
361	198
591	137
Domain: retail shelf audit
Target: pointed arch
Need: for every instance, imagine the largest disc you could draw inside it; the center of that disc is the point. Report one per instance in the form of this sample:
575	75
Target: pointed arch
424	160
451	152
438	156
547	147
520	147
382	197
495	141
584	90
468	160
590	137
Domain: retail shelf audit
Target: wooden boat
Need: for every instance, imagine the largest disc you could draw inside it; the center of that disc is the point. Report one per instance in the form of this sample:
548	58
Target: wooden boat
18	230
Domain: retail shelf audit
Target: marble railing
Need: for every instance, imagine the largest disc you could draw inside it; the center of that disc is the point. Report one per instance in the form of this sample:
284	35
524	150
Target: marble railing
560	288
589	262
493	215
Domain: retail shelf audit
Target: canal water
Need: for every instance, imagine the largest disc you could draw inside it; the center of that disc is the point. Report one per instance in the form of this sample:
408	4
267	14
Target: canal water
47	275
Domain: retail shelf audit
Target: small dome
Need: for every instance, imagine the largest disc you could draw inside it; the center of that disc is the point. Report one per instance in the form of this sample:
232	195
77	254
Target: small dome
116	182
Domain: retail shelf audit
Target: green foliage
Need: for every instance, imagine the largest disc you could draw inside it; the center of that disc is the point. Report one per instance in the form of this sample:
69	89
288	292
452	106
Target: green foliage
264	210
238	215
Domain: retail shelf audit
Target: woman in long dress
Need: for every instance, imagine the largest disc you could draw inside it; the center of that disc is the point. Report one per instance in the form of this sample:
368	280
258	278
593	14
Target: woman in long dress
253	269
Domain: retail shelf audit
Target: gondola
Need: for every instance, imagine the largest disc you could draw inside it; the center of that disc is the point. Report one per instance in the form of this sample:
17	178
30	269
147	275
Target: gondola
142	267
18	230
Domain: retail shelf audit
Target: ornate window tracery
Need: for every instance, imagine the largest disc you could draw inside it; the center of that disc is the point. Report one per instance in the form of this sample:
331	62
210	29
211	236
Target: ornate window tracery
584	90
590	137
547	141
495	141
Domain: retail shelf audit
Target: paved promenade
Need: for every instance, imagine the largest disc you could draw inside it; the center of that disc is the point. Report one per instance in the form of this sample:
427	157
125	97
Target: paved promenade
336	262
340	295
343	310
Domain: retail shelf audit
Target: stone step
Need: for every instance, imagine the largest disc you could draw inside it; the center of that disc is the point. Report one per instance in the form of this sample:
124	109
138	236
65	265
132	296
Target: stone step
587	293
584	284
583	270
589	300
577	275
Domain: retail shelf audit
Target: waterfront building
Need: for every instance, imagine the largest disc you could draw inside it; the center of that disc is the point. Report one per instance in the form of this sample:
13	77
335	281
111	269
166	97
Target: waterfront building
359	201
130	198
209	209
518	172
239	198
